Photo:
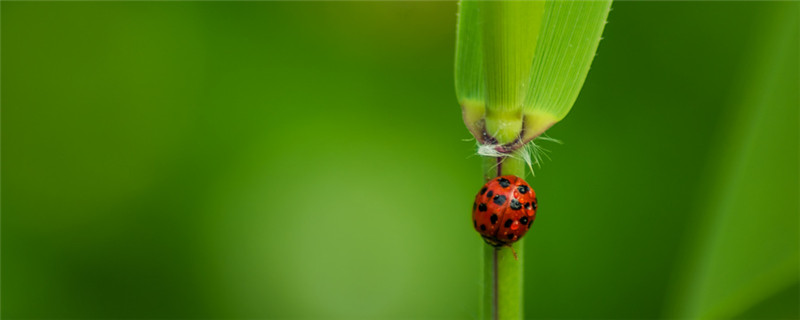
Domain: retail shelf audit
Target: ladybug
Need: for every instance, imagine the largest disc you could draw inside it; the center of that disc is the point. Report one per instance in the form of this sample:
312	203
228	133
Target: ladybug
504	210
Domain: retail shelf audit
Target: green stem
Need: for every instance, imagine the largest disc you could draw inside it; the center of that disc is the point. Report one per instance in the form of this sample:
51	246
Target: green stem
502	276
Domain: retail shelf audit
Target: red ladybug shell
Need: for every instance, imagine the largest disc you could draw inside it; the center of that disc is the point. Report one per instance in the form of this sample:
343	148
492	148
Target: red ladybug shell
504	210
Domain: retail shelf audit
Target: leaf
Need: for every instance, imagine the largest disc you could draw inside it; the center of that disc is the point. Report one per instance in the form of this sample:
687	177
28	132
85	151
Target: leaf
526	60
510	33
568	43
469	73
470	83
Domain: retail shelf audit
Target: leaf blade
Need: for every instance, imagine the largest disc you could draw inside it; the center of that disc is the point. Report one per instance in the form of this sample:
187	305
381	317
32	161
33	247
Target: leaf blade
570	36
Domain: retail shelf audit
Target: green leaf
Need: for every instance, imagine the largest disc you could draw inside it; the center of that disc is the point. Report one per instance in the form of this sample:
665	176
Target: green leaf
470	85
521	64
469	73
568	43
510	33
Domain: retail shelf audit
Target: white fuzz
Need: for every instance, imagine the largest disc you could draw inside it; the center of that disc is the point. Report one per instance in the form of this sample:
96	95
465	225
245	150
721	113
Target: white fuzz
490	150
532	153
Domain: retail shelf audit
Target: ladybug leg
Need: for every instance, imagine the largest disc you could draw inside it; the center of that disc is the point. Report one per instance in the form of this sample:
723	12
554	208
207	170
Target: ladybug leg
493	243
513	251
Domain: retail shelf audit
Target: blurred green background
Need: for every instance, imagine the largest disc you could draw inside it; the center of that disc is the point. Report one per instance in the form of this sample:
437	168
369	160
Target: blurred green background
307	160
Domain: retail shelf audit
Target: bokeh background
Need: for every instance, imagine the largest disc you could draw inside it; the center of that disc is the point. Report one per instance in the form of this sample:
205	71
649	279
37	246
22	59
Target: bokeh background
308	160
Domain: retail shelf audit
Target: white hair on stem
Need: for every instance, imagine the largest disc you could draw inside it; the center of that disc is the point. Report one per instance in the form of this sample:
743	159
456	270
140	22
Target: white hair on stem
532	152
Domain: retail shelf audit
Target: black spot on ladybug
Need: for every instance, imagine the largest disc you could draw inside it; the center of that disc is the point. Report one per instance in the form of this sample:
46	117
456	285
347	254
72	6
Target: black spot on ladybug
493	218
483	227
499	199
510	236
534	204
527	205
475	223
490	194
504	182
508	223
483	190
515	204
482	207
523	189
524	220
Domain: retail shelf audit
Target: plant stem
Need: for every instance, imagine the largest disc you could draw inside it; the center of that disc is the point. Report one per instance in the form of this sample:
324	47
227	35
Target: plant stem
502	276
